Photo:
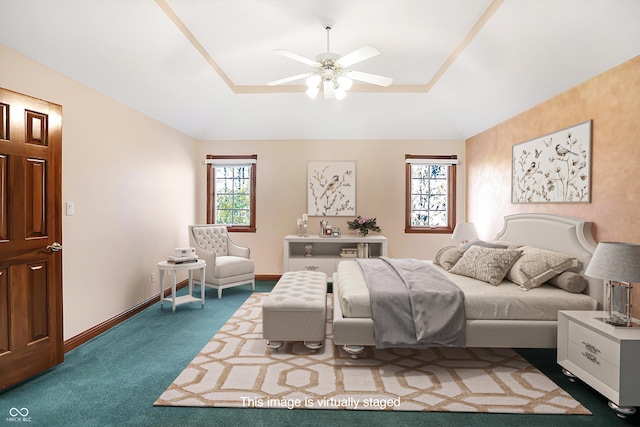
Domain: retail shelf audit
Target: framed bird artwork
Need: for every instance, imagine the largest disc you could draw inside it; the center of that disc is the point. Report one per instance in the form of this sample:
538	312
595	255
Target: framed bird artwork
555	168
331	188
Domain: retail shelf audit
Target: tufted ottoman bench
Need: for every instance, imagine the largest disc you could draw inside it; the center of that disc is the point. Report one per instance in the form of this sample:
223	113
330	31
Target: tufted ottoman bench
296	310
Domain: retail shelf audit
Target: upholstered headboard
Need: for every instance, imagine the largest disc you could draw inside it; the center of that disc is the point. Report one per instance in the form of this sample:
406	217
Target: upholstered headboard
563	234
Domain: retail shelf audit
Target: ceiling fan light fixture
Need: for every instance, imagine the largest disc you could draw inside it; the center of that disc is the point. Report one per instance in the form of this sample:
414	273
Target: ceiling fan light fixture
329	89
340	93
345	82
312	92
314	81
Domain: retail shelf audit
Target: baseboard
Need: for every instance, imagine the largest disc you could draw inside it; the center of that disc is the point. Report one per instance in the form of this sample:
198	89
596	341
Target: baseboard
85	336
268	277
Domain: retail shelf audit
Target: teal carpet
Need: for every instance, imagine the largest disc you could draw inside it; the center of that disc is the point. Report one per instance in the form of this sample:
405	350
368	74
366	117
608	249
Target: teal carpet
114	379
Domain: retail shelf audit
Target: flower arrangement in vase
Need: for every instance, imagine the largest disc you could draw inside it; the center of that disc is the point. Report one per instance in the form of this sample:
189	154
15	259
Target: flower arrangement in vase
363	225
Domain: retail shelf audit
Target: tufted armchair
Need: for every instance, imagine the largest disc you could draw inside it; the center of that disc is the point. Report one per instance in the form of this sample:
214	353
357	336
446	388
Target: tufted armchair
228	264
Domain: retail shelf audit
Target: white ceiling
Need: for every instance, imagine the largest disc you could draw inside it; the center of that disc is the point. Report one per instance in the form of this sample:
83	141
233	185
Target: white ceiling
201	66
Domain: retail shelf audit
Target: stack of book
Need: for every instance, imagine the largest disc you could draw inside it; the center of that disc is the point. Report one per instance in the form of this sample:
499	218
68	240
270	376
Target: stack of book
348	252
182	259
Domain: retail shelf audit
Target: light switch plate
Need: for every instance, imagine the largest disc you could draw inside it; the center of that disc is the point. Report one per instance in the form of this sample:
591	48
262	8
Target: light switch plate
70	208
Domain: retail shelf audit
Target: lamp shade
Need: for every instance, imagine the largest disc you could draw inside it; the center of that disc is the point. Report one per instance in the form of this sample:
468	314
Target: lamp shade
615	261
465	231
313	81
312	92
345	82
340	93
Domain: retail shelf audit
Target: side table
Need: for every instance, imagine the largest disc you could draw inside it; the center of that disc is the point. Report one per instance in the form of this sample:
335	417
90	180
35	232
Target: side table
603	356
172	269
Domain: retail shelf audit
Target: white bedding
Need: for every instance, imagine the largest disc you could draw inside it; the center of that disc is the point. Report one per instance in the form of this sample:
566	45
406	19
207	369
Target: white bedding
483	301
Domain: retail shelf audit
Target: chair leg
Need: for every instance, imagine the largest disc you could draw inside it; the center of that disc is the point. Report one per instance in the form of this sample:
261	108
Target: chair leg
253	284
219	293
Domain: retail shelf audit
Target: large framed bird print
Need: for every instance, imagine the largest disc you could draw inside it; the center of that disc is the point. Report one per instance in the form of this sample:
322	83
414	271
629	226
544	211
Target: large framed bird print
331	188
555	168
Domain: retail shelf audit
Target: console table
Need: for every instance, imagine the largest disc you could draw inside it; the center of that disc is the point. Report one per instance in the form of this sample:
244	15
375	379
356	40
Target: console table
326	251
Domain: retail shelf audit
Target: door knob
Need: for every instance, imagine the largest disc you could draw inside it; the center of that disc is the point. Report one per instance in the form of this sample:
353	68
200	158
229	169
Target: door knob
55	247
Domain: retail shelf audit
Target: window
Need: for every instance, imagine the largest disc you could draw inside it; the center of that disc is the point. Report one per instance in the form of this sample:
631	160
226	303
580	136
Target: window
231	191
430	194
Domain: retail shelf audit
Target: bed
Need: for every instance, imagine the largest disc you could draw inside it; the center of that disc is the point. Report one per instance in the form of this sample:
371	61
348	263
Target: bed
513	318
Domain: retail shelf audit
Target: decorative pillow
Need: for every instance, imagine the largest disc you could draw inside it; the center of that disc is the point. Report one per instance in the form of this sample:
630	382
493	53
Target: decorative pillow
536	266
437	258
486	264
509	245
569	281
483	244
447	256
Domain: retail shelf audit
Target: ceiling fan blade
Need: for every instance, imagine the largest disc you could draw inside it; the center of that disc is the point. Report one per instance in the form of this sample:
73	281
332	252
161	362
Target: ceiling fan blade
296	57
291	78
368	78
358	55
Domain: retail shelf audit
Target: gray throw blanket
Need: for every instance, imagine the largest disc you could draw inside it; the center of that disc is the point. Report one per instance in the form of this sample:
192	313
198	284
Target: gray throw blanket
413	304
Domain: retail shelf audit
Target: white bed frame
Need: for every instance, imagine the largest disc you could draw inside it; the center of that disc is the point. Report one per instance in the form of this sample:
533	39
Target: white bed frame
567	235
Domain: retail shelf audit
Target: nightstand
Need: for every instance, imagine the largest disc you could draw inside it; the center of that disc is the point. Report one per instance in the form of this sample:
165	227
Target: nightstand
605	357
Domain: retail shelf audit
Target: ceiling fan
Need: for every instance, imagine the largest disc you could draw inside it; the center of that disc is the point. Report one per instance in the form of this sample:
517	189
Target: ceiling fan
330	72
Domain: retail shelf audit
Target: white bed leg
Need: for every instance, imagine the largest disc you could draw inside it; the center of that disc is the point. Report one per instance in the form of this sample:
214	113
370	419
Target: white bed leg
353	350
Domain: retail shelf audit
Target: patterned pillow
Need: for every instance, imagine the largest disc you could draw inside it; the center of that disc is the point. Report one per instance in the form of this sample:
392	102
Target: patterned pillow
486	264
536	266
447	257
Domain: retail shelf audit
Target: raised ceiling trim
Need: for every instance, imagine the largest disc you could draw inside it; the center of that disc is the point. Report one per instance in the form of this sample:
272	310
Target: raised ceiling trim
394	88
493	7
192	39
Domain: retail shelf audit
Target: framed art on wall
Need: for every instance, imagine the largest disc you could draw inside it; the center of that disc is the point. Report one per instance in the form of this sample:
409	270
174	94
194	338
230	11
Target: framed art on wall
555	168
331	188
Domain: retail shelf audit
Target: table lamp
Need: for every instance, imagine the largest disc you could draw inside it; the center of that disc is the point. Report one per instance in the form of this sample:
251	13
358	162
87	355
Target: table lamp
618	264
464	232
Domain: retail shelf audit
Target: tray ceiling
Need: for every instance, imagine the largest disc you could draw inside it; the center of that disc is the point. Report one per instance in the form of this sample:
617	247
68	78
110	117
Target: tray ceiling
201	66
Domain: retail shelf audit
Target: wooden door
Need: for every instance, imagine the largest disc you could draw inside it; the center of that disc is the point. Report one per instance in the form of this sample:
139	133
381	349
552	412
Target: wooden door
31	336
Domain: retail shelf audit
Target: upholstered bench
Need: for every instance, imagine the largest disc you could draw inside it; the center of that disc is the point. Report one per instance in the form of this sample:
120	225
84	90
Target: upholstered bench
296	310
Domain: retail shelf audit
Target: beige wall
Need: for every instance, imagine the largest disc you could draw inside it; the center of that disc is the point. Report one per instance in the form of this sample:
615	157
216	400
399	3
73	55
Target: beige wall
612	101
281	191
132	180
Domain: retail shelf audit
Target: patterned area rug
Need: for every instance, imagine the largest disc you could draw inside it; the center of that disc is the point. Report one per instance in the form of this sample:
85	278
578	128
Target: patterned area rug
236	369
